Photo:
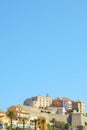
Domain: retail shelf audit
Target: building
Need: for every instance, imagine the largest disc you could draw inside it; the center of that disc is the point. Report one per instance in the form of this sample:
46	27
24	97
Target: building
3	120
67	104
57	102
79	106
62	102
20	114
39	101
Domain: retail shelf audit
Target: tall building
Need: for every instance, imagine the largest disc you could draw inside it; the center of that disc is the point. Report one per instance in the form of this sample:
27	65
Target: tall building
79	106
39	101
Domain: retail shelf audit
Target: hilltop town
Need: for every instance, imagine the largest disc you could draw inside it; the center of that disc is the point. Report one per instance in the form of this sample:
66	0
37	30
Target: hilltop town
62	113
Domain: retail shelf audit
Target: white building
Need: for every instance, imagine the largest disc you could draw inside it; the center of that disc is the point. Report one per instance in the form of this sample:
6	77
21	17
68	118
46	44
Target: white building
60	110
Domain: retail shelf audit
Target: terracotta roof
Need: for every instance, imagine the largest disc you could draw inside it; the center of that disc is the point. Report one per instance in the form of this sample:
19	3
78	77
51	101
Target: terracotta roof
65	98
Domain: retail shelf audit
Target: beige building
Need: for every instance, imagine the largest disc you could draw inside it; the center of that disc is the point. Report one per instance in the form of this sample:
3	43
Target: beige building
79	106
3	120
39	101
68	104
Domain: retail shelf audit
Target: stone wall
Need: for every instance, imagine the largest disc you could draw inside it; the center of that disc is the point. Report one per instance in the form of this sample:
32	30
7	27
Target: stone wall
84	128
35	112
78	119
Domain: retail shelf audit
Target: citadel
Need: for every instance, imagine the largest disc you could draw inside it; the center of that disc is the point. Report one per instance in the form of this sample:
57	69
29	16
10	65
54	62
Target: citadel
63	110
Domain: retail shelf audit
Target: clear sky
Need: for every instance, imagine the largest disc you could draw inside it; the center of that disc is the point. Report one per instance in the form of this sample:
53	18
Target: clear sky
43	49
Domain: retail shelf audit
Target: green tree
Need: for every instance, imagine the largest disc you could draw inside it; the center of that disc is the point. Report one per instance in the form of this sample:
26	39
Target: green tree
86	123
67	125
48	126
53	121
17	128
24	121
35	123
11	116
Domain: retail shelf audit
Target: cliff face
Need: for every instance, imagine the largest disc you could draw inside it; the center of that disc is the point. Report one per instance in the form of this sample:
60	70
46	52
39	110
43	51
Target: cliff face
26	102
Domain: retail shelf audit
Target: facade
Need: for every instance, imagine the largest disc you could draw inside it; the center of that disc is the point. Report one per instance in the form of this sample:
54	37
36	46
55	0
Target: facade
67	105
16	109
3	119
39	101
79	106
2	114
19	112
47	101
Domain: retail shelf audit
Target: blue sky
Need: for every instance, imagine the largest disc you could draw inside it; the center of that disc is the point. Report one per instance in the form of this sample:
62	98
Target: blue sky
43	49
